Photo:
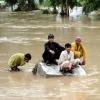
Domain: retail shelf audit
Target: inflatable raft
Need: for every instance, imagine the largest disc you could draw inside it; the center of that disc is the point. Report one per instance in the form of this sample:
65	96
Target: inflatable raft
54	70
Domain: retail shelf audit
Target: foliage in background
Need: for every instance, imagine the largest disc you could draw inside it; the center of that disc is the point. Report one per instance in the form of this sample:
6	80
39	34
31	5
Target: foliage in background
89	5
11	3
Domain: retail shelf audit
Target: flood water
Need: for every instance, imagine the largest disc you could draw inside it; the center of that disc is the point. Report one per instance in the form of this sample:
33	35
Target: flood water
27	32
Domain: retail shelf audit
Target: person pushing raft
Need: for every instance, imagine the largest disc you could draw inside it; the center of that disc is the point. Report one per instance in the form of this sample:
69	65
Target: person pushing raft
18	59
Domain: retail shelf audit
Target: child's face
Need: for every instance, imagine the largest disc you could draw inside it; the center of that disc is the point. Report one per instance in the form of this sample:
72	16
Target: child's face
68	49
26	60
51	39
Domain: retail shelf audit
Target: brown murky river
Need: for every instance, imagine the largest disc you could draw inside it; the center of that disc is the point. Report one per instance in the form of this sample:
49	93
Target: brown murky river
27	32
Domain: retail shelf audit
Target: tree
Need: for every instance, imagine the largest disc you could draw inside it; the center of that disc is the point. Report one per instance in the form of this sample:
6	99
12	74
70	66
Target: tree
89	5
25	5
54	4
11	3
65	5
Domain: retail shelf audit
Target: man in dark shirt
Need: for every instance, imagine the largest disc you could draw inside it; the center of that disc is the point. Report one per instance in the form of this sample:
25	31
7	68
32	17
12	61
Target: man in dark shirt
52	50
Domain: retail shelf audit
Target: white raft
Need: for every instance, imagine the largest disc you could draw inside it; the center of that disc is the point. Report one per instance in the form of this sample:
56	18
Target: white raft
53	70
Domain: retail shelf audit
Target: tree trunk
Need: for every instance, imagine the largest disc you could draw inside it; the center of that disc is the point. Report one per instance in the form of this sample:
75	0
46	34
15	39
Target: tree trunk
66	10
12	8
21	5
62	11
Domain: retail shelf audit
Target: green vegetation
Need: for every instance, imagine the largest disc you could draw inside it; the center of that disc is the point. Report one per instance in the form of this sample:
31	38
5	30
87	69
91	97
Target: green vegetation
23	5
88	5
11	3
64	4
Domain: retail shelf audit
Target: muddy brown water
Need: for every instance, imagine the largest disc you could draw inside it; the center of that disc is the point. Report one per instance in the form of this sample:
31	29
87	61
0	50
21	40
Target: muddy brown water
27	32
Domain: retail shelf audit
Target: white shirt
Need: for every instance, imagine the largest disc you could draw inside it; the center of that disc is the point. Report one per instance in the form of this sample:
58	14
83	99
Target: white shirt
65	56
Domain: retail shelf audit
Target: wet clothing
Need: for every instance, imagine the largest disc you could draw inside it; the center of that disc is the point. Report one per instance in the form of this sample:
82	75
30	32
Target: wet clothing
16	60
49	57
79	51
66	58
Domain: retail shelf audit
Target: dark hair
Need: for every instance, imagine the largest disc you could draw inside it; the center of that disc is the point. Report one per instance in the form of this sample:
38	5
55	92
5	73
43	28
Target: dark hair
67	45
50	36
28	56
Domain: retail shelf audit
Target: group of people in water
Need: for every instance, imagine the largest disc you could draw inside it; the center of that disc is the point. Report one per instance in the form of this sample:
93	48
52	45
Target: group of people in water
67	57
